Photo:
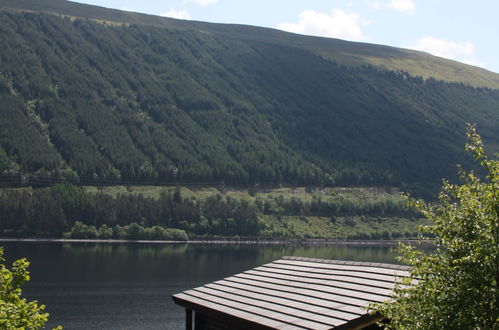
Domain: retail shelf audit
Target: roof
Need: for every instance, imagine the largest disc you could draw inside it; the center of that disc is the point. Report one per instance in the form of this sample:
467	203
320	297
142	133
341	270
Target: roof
297	293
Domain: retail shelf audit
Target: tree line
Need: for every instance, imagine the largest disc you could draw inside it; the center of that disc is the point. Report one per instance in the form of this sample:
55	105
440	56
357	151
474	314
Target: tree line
71	211
51	212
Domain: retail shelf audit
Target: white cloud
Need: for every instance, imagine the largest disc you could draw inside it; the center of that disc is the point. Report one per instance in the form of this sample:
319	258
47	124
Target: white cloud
180	14
203	3
376	5
339	24
406	6
462	52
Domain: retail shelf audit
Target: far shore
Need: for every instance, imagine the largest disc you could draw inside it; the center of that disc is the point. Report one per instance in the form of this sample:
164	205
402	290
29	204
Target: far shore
221	241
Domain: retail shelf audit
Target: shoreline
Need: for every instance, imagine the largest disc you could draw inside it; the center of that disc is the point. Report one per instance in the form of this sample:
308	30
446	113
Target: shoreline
222	241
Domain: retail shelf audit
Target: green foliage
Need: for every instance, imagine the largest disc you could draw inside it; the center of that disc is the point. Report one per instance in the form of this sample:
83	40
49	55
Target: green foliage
133	231
82	231
457	285
101	103
173	213
15	311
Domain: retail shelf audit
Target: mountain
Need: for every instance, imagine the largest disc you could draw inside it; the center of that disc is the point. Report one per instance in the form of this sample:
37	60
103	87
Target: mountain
101	94
349	53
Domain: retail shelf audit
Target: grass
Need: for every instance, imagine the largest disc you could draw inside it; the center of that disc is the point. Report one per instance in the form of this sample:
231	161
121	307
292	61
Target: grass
356	227
302	193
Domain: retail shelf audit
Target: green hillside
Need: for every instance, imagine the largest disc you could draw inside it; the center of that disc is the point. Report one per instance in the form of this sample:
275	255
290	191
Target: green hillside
343	52
159	100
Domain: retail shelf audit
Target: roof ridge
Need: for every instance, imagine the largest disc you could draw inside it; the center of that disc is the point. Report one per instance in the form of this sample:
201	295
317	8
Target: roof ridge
349	263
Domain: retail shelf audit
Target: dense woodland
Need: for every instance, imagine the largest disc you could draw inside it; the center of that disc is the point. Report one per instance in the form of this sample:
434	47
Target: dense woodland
71	211
91	101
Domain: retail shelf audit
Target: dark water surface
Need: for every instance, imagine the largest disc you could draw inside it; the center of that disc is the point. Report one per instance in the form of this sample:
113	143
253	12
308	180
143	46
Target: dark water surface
129	286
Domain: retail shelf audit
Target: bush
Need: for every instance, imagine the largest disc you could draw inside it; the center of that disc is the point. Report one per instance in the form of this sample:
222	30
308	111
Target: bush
457	285
15	311
104	232
81	231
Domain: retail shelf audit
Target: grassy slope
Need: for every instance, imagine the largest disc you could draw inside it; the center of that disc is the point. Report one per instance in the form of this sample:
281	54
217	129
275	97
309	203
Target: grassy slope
343	52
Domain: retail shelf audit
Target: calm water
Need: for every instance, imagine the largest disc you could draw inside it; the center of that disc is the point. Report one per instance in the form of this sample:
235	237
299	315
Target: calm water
129	286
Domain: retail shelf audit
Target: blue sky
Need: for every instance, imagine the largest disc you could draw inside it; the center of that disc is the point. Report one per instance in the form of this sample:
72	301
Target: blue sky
463	30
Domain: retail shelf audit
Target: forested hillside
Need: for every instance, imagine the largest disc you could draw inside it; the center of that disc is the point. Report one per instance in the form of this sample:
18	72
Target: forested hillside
344	52
134	102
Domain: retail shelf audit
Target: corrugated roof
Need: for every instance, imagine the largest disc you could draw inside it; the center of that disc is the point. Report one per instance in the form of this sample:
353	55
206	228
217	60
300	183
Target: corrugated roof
298	293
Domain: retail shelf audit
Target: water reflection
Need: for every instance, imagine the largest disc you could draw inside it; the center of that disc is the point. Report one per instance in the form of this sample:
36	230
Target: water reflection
128	286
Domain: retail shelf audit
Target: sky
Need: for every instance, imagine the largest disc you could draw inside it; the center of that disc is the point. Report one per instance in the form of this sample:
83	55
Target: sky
462	30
